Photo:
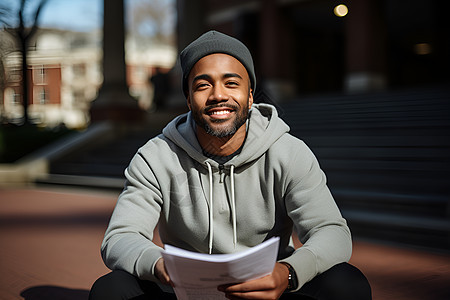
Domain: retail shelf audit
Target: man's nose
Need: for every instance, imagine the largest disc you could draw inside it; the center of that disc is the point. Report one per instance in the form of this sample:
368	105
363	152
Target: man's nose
218	94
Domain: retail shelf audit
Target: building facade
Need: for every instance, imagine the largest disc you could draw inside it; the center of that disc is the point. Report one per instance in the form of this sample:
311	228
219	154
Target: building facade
65	75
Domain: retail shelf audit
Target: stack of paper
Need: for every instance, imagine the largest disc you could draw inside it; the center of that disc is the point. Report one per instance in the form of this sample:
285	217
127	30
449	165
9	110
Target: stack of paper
197	275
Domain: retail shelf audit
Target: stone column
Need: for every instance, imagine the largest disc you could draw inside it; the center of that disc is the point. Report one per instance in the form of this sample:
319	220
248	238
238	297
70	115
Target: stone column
191	21
114	102
274	57
366	46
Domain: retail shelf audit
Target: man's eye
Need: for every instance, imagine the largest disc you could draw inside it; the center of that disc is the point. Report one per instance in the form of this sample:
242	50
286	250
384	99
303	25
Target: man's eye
201	85
232	83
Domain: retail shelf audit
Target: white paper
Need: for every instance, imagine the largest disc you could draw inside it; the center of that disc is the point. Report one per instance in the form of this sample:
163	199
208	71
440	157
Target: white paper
197	275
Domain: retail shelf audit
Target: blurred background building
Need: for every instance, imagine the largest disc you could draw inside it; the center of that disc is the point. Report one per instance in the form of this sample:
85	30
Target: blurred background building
322	46
301	47
64	67
64	76
65	72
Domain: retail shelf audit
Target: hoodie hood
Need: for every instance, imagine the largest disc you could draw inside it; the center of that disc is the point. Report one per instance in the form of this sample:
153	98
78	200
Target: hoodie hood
264	128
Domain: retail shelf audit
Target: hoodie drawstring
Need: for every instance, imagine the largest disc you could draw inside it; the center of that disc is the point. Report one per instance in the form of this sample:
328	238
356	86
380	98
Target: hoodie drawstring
233	206
211	211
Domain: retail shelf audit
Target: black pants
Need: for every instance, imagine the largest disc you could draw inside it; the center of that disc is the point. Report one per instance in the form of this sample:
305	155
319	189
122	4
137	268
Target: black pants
341	282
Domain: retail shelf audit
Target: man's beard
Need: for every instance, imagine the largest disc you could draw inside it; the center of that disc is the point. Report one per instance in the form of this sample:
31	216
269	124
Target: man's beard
220	131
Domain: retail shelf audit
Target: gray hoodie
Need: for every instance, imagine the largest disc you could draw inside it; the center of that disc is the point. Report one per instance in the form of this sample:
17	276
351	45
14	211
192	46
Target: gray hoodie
274	185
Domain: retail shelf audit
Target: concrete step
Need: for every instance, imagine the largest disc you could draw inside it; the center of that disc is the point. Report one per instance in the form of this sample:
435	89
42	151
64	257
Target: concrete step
114	183
387	159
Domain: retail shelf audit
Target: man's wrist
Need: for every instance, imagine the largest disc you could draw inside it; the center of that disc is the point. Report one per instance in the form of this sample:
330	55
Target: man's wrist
292	278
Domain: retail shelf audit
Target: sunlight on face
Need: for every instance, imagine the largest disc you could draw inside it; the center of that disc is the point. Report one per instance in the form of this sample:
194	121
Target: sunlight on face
219	94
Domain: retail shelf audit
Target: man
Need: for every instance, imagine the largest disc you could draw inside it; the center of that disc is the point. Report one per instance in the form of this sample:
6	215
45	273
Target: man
222	178
161	87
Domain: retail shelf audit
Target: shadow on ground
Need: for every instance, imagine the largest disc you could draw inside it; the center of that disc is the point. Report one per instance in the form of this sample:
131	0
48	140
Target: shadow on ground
54	293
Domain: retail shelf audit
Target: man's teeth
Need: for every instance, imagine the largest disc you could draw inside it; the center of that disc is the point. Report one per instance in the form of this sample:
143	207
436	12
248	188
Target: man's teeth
220	112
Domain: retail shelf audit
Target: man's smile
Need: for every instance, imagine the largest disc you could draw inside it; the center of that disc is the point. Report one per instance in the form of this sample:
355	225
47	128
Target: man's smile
222	112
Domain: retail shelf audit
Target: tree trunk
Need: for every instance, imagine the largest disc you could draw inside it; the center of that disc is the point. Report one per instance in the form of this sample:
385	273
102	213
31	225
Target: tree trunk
25	98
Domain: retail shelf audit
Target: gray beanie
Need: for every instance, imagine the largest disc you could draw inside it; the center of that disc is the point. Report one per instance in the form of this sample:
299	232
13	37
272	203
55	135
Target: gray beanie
215	42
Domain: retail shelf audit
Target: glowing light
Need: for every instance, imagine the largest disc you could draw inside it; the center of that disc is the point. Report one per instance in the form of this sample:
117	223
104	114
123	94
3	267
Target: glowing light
341	10
422	49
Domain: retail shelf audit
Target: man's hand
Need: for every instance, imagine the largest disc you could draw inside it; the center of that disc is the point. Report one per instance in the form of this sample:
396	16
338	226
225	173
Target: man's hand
161	272
267	287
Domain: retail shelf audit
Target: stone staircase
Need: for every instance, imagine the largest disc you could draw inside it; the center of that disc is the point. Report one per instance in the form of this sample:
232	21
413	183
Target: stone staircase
387	159
101	164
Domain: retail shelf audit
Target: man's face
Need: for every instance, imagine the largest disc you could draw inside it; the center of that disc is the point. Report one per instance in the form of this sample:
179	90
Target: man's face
219	94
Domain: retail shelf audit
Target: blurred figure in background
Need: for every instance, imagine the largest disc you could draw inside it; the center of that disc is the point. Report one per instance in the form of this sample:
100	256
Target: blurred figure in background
161	88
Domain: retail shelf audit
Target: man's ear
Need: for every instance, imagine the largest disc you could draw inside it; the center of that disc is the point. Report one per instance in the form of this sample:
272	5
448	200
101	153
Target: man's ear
250	99
188	102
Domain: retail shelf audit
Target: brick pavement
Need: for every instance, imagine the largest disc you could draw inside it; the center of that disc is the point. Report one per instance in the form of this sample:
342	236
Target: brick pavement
50	240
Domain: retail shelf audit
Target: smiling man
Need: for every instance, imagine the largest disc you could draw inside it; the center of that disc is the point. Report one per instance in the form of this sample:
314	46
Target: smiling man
223	178
219	96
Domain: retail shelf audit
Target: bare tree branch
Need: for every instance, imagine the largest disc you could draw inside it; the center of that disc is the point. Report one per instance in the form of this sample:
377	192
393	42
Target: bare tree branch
150	17
5	13
36	19
23	37
21	29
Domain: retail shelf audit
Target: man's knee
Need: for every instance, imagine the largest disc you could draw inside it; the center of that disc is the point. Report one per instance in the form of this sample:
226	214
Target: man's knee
341	282
123	285
115	285
345	281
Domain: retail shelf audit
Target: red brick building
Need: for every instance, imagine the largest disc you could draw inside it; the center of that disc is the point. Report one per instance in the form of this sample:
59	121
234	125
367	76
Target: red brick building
64	80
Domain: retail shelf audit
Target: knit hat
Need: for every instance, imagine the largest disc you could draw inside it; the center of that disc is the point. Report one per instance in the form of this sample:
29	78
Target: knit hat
215	42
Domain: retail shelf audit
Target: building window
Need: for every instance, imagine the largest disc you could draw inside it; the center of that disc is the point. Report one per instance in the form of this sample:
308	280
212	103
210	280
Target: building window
78	96
79	70
43	96
140	73
15	75
40	75
16	97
